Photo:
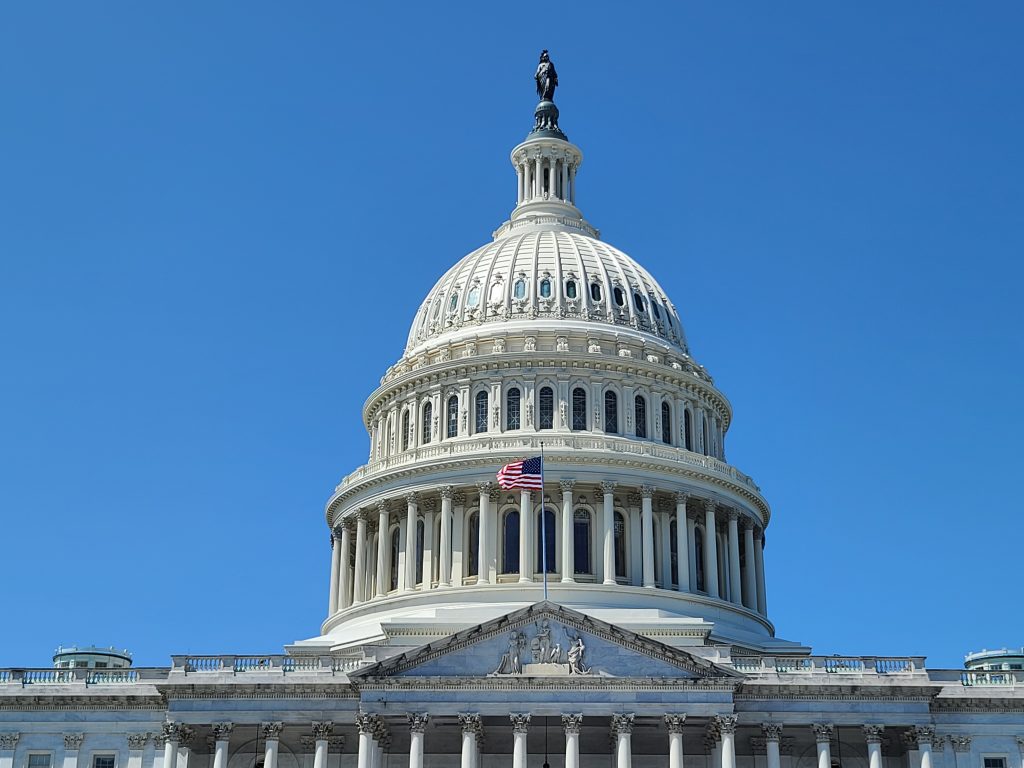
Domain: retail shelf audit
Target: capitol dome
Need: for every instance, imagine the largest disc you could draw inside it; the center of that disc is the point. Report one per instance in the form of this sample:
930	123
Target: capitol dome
547	342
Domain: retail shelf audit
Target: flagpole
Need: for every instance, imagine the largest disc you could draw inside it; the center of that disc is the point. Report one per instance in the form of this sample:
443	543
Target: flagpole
543	524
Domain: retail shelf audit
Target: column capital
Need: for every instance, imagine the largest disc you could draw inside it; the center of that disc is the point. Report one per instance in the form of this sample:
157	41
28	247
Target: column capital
412	498
822	732
961	743
9	740
607	486
221	731
459	498
429	505
135	740
73	741
447	492
710	505
566	485
622	724
322	730
170	730
272	730
365	723
418	721
383	506
307	743
572	723
726	723
1020	743
732	516
772	731
520	722
682	497
336	742
186	735
495	495
675	723
484	488
647	491
469	722
633	499
924	734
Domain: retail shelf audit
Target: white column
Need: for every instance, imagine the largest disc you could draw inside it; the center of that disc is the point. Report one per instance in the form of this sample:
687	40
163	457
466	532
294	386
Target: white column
383	549
822	737
526	569
136	747
483	541
365	724
444	576
666	546
538	178
691	533
636	549
172	735
734	557
622	727
675	740
572	724
272	733
572	184
519	182
428	543
520	726
750	572
332	600
417	725
682	543
411	508
568	566
359	580
762	602
727	727
221	735
772	737
647	494
470	724
925	737
345	574
710	549
608	490
873	734
458	538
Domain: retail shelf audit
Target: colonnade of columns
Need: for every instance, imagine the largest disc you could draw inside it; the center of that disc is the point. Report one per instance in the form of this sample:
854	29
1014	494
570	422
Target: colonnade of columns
545	174
648	537
174	736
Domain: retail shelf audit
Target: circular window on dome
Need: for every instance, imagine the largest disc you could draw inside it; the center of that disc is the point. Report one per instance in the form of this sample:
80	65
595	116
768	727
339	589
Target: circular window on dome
570	289
595	291
453	304
545	288
473	297
638	302
519	289
618	295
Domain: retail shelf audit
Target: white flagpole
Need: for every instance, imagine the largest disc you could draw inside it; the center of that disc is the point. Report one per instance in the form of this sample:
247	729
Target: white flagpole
543	525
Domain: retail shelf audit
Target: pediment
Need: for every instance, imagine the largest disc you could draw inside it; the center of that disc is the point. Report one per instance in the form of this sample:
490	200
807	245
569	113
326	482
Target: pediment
547	640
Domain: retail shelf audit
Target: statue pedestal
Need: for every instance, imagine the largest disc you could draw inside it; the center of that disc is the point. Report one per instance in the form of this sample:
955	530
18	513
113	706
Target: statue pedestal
545	118
546	670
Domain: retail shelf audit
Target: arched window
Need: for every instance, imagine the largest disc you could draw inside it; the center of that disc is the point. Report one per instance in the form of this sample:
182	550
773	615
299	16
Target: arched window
473	561
436	311
395	550
688	430
519	289
638	302
546	408
595	291
570	289
545	288
579	408
405	430
611	412
510	553
698	557
420	531
428	418
581	542
512	400
620	546
640	414
473	297
618	295
654	309
453	303
481	412
666	424
496	291
673	532
453	416
546	519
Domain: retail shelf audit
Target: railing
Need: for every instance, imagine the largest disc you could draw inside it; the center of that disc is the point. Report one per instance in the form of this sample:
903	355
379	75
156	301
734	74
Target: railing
456	447
827	665
996	677
279	664
80	676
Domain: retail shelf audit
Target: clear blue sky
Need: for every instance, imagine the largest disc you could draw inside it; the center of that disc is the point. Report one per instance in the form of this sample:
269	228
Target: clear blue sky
217	221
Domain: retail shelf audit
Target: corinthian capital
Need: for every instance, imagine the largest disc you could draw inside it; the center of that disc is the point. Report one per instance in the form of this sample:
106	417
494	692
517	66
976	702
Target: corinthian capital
873	733
137	740
484	488
622	724
272	730
674	723
726	723
9	740
572	723
681	497
520	722
170	731
566	485
822	732
771	731
647	491
221	731
447	492
418	721
924	735
607	486
322	730
470	722
73	741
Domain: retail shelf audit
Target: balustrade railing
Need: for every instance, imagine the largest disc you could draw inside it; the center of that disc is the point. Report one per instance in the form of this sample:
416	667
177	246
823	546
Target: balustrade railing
827	665
996	677
271	663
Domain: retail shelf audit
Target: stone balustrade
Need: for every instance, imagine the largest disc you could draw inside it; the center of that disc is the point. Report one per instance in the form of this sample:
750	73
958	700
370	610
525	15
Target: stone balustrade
756	666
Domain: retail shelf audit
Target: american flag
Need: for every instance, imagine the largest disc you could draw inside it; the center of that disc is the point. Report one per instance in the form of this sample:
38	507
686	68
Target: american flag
528	473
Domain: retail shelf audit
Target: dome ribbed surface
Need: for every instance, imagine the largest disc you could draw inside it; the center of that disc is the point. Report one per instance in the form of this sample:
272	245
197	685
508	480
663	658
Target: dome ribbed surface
542	275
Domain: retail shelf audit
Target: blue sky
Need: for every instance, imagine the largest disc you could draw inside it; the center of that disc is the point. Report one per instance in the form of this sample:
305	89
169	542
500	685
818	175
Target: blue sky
217	221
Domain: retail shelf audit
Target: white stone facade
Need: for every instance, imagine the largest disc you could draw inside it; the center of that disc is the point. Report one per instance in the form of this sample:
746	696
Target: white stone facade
653	646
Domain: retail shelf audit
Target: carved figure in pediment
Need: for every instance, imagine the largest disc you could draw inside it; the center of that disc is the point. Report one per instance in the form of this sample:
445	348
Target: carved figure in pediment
541	645
511	663
576	651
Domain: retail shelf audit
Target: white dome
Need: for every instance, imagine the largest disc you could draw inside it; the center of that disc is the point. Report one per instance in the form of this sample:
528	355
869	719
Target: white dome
540	275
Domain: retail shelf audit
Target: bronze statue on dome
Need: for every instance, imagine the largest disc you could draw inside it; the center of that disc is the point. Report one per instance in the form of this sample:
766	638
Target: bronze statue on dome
546	77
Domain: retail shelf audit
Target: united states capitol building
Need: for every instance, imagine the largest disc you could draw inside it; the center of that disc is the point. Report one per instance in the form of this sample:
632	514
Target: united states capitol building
654	645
